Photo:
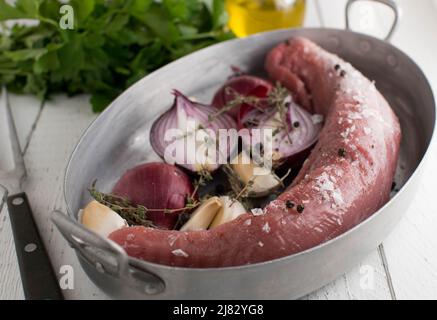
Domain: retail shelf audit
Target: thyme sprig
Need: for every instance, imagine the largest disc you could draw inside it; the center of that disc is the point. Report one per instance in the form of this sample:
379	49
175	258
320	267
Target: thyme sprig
240	191
278	98
134	214
238	100
204	176
281	179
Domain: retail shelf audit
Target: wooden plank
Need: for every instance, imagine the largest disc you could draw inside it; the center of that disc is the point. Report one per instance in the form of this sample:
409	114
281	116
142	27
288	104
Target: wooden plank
411	248
367	281
61	124
25	110
10	280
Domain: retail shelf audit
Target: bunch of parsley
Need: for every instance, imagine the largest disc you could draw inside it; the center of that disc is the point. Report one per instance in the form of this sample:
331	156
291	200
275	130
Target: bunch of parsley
113	43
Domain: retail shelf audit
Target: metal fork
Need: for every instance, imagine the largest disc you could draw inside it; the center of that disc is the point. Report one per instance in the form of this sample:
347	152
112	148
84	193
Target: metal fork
39	280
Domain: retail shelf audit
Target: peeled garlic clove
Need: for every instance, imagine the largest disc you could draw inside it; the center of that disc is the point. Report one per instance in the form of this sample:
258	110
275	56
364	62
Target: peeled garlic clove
203	215
264	184
101	219
231	209
264	181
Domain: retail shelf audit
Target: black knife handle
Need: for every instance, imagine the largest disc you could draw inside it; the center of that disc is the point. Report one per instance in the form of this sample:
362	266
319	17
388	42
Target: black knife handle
39	280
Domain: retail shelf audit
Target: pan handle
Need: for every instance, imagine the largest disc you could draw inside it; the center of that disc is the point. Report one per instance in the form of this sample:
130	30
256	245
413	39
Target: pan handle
106	256
390	3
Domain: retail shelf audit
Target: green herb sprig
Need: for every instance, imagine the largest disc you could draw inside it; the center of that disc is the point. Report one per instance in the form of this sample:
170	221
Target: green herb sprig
276	99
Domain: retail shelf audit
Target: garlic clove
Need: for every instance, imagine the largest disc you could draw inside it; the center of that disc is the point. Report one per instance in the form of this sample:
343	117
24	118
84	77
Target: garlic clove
264	184
203	215
231	209
243	167
264	181
101	219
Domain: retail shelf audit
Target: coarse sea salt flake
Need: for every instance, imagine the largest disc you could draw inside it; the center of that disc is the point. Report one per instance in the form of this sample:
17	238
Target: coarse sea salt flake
324	183
338	198
358	97
172	239
180	253
248	222
281	239
130	237
257	211
266	228
367	113
354	116
261	244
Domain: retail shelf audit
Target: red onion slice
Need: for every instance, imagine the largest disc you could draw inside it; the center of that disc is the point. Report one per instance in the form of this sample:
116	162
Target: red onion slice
192	120
300	133
244	85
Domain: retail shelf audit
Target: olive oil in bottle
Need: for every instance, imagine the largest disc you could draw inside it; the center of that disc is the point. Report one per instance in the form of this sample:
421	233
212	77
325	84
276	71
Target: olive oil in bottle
251	16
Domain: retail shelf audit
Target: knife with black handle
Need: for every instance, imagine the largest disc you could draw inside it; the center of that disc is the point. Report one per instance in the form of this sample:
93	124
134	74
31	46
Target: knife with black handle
37	275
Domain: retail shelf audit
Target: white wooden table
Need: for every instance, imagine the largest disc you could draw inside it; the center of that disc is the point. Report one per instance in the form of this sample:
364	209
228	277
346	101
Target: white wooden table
403	267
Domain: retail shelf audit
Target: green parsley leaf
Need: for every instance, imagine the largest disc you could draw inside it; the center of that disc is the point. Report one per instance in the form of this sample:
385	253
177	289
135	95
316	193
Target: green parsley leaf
113	44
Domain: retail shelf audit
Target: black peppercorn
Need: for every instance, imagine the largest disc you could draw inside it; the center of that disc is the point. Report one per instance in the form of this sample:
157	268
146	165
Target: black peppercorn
342	73
289	204
296	124
300	208
341	152
336	67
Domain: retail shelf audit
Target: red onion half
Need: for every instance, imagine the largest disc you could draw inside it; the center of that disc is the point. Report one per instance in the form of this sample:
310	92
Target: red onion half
244	85
156	186
291	136
193	121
